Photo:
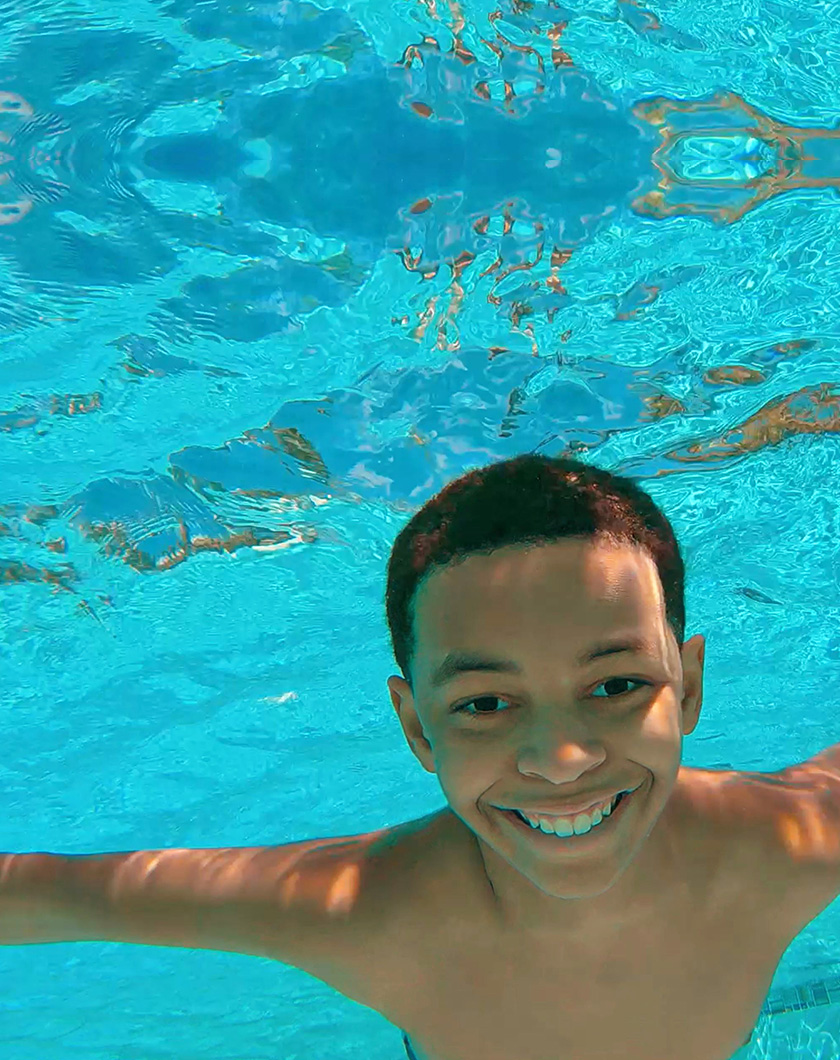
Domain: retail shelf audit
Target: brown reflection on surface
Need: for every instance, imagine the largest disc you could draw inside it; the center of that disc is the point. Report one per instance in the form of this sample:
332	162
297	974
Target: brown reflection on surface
19	572
503	43
12	570
115	541
811	410
74	404
513	217
792	157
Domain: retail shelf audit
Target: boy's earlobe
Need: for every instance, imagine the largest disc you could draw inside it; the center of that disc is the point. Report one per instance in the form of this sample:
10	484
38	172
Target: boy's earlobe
419	745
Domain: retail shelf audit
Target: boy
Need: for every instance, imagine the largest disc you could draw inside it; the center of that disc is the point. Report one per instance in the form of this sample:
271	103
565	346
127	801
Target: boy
582	896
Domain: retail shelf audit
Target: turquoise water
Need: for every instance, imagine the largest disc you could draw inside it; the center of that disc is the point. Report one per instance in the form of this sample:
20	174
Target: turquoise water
270	275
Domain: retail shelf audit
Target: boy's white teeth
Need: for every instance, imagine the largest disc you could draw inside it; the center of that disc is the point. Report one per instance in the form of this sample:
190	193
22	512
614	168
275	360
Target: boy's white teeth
566	826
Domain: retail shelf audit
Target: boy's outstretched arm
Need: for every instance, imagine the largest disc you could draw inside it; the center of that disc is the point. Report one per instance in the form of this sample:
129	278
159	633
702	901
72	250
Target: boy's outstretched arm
300	903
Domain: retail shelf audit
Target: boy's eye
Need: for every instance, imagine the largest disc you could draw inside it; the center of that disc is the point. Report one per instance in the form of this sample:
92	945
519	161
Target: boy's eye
486	702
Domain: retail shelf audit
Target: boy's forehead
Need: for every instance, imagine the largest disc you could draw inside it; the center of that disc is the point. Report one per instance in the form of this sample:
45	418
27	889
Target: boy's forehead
569	562
569	605
615	588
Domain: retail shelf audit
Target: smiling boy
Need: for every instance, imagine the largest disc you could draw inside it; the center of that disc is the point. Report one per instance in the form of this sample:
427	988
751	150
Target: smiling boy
582	896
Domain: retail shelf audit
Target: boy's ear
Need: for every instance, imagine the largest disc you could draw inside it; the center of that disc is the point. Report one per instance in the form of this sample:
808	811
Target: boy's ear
692	655
402	699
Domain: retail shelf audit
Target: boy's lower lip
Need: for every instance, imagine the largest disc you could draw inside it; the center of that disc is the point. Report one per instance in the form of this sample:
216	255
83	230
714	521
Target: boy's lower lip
572	842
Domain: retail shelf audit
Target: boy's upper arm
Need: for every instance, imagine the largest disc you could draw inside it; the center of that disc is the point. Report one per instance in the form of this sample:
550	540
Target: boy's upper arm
304	903
804	804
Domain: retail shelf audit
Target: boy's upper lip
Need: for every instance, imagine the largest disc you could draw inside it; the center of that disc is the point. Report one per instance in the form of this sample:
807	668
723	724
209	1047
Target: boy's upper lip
568	809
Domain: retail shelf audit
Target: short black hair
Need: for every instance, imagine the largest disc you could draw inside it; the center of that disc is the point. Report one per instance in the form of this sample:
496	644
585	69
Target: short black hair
527	499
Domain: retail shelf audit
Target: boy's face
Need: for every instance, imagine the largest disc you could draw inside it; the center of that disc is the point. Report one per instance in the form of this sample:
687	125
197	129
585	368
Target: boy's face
553	728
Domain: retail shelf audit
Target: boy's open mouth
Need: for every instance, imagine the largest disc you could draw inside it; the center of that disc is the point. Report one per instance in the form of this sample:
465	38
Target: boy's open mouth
585	831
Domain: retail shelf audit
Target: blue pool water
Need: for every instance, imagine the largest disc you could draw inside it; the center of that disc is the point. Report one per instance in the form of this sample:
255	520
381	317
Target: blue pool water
271	274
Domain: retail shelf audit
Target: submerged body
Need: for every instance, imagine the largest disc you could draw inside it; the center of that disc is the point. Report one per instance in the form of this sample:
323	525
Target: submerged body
655	933
649	933
683	980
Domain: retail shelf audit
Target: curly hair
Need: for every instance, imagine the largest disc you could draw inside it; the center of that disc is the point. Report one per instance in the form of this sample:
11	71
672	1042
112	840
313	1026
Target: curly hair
527	499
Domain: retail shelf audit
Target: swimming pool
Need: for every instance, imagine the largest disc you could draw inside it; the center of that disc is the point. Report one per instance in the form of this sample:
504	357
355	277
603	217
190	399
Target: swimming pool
272	275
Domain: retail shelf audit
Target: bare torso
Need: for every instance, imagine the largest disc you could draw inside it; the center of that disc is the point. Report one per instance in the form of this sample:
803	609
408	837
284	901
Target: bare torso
687	983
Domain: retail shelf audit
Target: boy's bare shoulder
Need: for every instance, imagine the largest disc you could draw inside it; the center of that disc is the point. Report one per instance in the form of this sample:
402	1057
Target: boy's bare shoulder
777	836
417	871
359	901
427	869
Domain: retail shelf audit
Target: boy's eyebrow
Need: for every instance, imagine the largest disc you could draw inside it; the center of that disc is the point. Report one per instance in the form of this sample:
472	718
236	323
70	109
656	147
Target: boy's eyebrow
460	662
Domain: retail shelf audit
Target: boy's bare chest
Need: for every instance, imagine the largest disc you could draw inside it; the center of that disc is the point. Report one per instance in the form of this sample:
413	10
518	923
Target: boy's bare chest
686	982
683	992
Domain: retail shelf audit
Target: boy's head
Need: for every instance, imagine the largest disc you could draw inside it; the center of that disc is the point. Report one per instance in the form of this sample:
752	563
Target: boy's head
532	564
